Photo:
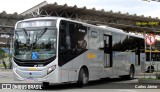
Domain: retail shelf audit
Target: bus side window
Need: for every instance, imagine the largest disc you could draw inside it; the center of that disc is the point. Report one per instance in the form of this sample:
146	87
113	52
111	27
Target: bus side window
73	27
81	41
62	38
68	37
77	34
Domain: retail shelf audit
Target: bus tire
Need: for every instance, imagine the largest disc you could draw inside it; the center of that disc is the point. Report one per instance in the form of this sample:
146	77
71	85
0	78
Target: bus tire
83	77
131	72
45	84
152	69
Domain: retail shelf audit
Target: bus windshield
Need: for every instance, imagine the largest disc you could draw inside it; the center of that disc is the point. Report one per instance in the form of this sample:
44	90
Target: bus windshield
35	44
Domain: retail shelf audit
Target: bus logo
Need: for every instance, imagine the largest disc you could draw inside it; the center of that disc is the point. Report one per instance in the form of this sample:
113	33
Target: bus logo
6	86
30	73
91	56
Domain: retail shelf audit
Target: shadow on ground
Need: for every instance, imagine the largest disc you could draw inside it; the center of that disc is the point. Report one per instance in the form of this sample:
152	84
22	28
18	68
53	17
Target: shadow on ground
98	84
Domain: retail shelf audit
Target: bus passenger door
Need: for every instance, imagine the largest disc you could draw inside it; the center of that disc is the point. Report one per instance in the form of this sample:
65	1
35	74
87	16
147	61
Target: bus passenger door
137	54
107	51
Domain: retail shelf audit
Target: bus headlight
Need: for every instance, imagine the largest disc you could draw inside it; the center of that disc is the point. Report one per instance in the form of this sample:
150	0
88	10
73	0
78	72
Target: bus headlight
50	69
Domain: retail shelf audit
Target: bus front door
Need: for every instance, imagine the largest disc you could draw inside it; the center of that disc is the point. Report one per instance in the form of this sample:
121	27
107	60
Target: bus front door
107	51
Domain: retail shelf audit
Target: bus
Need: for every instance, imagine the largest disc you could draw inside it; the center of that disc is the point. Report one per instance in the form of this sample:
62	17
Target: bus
155	61
59	50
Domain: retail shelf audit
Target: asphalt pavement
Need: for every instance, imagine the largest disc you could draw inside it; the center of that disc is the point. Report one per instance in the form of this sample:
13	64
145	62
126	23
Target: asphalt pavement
115	84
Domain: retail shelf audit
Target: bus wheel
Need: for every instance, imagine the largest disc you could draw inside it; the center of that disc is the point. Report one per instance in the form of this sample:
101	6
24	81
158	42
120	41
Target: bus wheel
45	84
83	77
152	69
131	73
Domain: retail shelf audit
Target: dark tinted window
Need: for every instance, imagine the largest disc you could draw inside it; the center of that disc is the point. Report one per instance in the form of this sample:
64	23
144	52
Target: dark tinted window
116	42
124	42
71	41
155	56
130	43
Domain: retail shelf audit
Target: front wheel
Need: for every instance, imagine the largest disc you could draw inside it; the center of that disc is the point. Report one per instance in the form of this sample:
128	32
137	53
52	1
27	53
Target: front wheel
83	77
45	84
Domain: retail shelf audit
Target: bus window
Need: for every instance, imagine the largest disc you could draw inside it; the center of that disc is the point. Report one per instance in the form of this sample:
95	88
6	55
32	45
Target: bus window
81	34
124	42
93	38
116	42
71	41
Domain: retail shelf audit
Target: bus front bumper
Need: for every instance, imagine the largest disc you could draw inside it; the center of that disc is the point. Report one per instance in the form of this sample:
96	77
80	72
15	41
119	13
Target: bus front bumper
47	78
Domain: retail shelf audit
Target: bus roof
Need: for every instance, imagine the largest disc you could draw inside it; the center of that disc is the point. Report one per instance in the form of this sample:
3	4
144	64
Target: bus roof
111	29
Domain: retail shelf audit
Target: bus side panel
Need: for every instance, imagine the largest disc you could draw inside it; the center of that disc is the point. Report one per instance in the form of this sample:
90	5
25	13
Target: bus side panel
154	64
70	70
104	71
122	62
155	60
94	62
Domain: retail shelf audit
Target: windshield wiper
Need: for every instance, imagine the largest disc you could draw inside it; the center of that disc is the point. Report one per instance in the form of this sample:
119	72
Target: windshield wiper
25	32
42	32
40	35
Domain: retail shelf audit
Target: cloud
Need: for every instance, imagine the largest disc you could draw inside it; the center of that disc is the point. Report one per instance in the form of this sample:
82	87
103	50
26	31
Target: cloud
11	6
155	13
138	7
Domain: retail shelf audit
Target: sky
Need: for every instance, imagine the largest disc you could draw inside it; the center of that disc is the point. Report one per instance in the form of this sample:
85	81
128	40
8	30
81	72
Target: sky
138	7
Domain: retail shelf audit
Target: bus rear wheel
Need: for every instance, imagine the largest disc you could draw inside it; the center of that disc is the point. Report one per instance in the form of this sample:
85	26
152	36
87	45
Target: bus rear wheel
131	73
83	77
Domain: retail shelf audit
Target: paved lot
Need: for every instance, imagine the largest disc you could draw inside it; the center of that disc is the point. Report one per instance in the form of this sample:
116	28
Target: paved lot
105	85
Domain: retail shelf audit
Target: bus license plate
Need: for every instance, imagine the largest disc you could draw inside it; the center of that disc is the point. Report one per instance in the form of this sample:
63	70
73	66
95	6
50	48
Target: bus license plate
30	79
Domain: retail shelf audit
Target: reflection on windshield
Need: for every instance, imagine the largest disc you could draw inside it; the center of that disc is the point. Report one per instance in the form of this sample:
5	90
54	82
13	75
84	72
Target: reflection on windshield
35	44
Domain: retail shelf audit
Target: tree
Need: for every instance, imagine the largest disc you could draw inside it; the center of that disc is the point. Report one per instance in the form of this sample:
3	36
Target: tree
10	60
2	56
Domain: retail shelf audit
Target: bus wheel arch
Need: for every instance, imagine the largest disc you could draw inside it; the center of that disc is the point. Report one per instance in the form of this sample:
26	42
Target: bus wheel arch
83	76
152	69
131	72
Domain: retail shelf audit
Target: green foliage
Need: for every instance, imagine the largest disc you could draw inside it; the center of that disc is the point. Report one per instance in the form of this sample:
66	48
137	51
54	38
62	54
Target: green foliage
157	75
9	55
2	54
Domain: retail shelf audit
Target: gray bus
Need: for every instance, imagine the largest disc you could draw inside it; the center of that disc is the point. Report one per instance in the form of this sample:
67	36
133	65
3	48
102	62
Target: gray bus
59	50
